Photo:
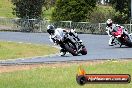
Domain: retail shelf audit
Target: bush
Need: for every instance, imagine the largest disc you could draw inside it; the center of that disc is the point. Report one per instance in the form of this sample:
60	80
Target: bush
101	14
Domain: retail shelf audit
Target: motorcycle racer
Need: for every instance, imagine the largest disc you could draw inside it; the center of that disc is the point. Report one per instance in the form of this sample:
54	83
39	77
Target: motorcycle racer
57	36
112	30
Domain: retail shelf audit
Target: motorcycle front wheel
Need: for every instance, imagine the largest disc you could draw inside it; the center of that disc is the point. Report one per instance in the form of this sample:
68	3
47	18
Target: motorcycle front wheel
83	51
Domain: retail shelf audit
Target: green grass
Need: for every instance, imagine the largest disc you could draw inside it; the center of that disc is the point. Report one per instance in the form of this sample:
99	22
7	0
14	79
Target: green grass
11	50
64	76
6	9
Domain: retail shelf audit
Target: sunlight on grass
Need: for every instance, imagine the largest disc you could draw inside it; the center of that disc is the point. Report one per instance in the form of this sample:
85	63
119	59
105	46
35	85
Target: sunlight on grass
63	76
11	50
6	8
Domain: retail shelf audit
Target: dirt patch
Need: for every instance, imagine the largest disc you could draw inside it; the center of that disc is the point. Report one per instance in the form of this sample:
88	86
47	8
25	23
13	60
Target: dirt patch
2	27
12	68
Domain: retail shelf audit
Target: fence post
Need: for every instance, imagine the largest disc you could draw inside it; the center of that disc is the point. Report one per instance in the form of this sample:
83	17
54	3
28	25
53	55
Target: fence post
40	26
130	25
70	23
99	26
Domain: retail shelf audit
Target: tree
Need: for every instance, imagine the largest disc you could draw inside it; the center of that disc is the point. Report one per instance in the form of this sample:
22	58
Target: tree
28	8
73	10
49	3
29	12
123	10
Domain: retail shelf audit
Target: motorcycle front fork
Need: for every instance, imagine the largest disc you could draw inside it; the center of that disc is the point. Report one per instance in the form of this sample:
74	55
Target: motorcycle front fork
79	47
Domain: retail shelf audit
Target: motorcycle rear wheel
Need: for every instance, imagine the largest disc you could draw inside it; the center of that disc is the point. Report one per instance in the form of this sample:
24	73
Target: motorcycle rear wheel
71	50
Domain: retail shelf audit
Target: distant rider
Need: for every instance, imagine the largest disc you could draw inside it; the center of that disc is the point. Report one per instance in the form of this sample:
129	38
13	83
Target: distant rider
112	29
57	36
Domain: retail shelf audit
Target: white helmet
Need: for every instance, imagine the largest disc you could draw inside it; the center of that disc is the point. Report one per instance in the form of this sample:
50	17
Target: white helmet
50	29
109	22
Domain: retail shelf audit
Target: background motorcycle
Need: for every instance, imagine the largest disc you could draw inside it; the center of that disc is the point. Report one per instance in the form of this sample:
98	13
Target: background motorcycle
121	37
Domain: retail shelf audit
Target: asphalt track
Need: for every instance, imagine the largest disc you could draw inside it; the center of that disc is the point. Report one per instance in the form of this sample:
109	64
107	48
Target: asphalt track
97	47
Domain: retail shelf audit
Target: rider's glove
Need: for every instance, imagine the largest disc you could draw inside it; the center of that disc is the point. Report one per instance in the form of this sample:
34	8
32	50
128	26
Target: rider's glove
70	33
54	41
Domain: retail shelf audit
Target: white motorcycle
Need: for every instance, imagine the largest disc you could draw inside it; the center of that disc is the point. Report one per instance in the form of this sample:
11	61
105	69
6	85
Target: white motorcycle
72	45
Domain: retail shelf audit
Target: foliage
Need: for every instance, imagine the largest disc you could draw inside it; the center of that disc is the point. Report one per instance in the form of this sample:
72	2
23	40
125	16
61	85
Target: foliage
123	10
73	10
103	13
49	3
121	18
47	13
28	8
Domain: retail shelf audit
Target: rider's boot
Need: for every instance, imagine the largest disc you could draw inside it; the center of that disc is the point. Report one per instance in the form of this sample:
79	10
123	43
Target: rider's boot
111	41
62	52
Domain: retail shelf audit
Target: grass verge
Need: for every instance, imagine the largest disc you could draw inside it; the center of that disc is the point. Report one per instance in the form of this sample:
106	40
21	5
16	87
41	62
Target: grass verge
6	9
12	50
64	75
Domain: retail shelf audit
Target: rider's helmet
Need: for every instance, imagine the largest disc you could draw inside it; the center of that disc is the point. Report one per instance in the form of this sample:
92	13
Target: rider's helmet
109	22
50	29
